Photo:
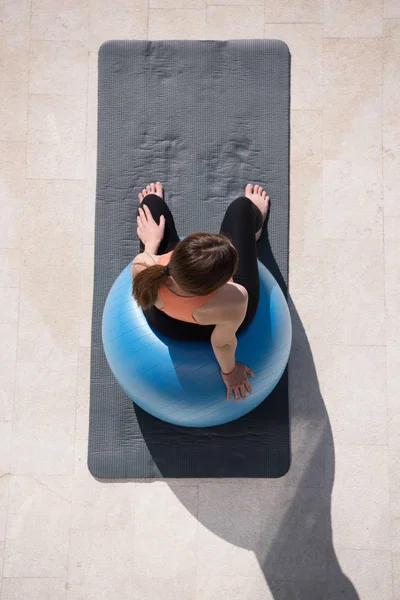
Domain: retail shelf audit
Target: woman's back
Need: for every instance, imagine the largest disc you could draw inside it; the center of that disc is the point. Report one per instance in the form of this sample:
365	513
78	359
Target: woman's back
203	310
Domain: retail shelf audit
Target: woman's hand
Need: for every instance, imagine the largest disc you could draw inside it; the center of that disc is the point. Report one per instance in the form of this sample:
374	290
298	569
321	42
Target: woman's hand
147	229
237	381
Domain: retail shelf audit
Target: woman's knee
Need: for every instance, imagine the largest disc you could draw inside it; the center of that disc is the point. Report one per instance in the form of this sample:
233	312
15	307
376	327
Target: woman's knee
156	205
240	211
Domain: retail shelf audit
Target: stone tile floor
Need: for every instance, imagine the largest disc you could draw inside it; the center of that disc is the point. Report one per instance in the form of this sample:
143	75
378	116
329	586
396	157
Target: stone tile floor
330	529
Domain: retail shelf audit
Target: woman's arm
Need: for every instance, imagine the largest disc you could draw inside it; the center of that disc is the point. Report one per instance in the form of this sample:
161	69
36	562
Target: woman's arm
223	338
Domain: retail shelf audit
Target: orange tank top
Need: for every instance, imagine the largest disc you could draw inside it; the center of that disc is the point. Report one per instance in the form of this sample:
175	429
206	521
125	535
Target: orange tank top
179	307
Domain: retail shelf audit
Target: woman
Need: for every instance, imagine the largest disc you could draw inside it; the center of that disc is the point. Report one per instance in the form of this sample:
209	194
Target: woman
206	286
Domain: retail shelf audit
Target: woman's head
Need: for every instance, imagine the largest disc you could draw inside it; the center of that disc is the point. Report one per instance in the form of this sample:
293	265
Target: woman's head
200	264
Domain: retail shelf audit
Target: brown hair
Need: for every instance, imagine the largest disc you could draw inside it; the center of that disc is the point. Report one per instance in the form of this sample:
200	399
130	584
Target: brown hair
200	263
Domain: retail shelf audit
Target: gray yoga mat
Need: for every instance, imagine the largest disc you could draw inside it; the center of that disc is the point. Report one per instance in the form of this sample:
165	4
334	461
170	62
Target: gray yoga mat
204	118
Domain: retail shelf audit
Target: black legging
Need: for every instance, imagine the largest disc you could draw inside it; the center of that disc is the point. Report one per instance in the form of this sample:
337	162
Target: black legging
241	222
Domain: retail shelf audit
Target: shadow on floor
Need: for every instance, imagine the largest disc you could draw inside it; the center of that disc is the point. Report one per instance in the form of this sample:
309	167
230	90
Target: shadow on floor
287	522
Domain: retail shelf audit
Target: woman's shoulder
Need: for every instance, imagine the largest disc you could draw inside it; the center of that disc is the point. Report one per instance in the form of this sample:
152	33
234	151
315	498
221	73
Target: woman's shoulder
142	261
230	301
232	291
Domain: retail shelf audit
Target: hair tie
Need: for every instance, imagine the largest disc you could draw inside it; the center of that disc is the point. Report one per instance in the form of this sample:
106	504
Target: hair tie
166	270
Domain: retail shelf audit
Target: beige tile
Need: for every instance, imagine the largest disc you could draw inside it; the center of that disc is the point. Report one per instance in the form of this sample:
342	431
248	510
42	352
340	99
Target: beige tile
97	504
34	588
12	166
394	461
5	452
52	223
391	126
101	565
360	518
305	44
89	214
294	522
9	304
11	213
352	124
14	41
306	281
395	517
4	486
294	11
162	522
391	9
10	267
14	18
119	20
353	386
8	351
307	467
369	572
39	513
396	576
392	263
58	68
83	395
353	465
49	313
392	376
230	538
7	390
5	447
305	184
306	138
353	288
44	419
85	327
13	111
174	4
14	58
165	589
1	557
353	18
235	22
181	23
233	587
91	128
352	200
353	62
56	137
60	20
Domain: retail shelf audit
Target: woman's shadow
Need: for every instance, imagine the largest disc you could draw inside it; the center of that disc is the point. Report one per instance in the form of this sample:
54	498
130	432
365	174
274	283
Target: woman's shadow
286	522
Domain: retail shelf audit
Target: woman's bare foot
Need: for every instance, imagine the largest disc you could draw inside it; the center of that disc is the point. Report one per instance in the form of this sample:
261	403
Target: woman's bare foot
151	188
259	196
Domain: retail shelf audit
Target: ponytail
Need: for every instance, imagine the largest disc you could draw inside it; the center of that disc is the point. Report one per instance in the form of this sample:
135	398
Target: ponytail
146	285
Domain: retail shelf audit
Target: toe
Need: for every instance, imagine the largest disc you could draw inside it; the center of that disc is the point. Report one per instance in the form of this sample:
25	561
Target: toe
144	191
148	188
159	188
140	196
152	187
256	189
264	194
249	188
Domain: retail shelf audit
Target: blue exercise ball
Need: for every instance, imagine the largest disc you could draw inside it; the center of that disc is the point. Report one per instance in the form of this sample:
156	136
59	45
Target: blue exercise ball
180	382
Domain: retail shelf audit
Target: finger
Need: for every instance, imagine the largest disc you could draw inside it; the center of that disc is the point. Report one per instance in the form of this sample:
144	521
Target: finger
248	370
237	394
229	393
243	391
148	213
248	386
